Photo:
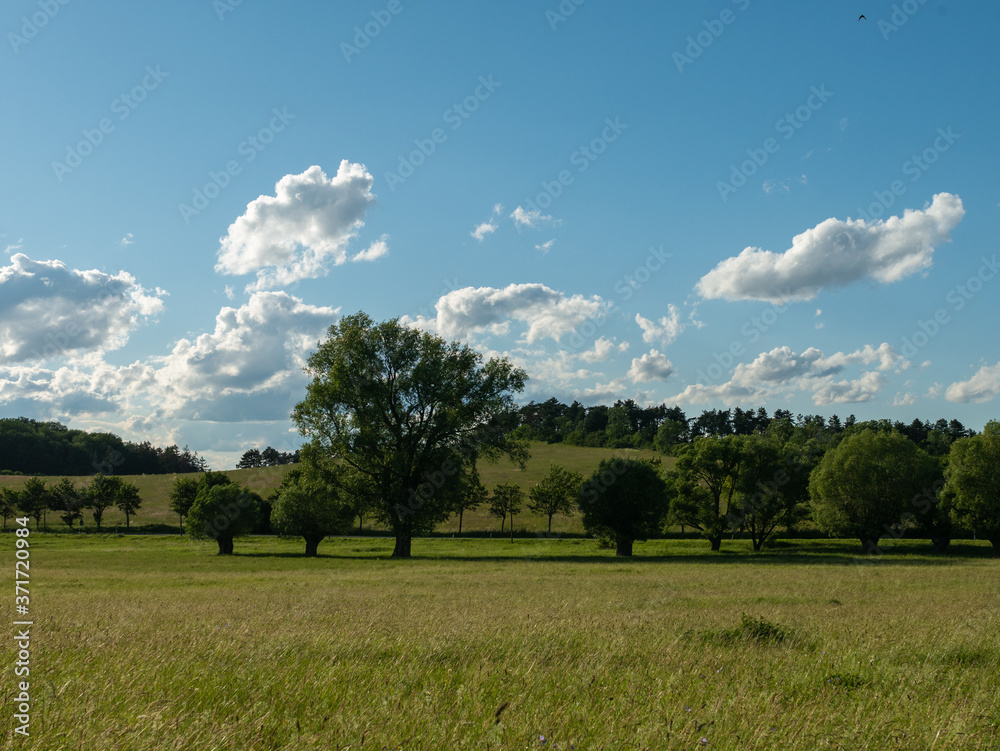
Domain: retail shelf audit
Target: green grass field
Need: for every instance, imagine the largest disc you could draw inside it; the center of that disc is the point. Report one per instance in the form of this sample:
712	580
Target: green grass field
154	489
155	643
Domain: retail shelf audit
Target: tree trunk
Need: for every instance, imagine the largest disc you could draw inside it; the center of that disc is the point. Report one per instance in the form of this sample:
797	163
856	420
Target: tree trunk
181	520
312	543
512	528
715	542
127	518
995	541
402	549
360	523
941	544
550	524
502	522
623	546
869	546
758	543
460	512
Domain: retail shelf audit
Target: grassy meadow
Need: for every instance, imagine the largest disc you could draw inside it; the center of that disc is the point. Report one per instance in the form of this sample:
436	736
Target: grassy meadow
155	489
156	643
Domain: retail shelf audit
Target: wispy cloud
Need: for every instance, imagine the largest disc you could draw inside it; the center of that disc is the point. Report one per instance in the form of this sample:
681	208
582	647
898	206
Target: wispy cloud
377	249
532	218
482	230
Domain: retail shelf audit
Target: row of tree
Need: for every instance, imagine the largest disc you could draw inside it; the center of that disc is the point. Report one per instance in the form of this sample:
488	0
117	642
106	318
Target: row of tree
627	425
869	485
397	419
29	447
69	501
269	457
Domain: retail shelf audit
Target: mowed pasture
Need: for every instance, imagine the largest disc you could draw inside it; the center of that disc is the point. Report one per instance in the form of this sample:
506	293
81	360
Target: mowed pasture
155	489
154	642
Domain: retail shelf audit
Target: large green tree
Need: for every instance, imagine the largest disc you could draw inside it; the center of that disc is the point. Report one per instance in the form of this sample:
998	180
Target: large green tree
223	513
406	410
309	508
704	484
864	486
625	500
773	486
555	493
973	482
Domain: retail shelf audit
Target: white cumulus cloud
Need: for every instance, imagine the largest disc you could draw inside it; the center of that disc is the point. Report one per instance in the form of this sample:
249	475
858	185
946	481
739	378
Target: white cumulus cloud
836	253
296	233
465	312
603	348
782	369
664	331
652	366
50	310
982	387
863	389
249	367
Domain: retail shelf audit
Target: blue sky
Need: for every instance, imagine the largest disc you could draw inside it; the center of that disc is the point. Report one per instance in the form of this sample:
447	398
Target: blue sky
714	204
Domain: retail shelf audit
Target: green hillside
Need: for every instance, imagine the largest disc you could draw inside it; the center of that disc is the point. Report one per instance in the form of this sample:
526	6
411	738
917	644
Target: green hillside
154	489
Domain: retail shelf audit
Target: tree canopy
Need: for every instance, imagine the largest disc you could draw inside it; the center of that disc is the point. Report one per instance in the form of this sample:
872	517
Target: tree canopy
555	493
406	411
223	512
704	484
625	500
309	508
973	482
863	486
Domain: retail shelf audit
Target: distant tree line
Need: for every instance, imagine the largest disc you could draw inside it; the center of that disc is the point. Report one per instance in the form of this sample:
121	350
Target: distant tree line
269	457
30	447
627	425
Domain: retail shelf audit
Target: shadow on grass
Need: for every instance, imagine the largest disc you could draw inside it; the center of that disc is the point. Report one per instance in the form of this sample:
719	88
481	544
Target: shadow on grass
825	554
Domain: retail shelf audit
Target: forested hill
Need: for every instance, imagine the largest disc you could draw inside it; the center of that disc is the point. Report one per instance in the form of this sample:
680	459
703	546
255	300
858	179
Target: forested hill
627	425
50	448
